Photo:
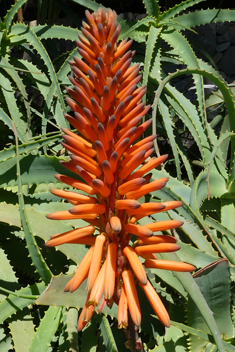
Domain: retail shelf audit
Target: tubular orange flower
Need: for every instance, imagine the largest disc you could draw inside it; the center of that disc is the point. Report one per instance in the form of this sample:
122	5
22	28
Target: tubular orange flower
81	272
122	310
109	284
114	163
136	264
132	297
156	303
98	287
168	265
96	261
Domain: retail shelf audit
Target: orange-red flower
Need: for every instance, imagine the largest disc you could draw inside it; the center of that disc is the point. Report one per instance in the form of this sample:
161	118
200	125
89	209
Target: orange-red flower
109	153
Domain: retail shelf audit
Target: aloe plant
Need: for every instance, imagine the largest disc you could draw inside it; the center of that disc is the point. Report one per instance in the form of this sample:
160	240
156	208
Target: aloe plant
201	309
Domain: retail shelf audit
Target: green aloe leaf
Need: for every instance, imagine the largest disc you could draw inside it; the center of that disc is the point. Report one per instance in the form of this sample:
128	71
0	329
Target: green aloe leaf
28	35
35	169
34	252
12	12
172	12
8	122
197	257
46	330
196	295
226	94
90	4
204	188
7	274
54	295
36	76
5	342
88	341
152	7
24	148
201	335
71	320
9	214
214	283
197	18
19	300
131	31
173	340
22	330
9	95
107	335
167	121
183	49
153	36
10	70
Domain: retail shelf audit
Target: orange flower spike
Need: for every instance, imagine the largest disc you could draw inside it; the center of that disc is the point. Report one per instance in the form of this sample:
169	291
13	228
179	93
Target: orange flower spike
111	156
98	287
95	82
113	87
136	264
110	127
85	315
168	265
164	225
84	125
172	204
102	136
115	224
84	174
146	208
86	165
113	161
132	297
96	261
131	185
57	240
122	147
76	184
101	187
127	204
91	118
73	196
122	48
106	100
82	270
87	240
87	209
148	166
156	239
108	173
79	144
122	310
66	215
100	151
156	303
109	283
157	248
77	137
138	230
148	188
132	164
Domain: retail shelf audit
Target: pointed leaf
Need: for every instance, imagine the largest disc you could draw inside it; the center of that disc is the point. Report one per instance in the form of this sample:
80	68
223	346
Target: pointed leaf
46	330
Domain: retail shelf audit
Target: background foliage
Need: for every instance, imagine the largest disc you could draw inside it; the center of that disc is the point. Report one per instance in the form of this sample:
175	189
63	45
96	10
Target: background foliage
33	76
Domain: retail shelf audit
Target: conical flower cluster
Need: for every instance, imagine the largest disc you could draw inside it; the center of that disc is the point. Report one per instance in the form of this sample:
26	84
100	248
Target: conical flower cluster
114	161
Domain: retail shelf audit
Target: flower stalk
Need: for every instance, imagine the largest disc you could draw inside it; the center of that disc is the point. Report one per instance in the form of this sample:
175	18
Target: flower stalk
110	155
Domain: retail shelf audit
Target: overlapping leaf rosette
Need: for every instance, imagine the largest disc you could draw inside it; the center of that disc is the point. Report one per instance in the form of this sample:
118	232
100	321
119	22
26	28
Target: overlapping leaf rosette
113	159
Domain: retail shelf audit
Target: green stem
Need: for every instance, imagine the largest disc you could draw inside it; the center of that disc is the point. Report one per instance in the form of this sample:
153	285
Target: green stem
19	295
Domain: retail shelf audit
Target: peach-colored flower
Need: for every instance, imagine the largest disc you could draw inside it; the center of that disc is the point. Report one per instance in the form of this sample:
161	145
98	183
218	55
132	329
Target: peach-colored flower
110	155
